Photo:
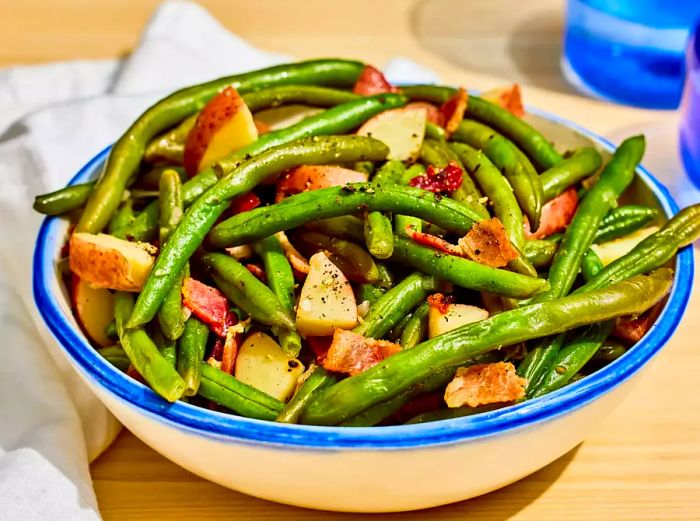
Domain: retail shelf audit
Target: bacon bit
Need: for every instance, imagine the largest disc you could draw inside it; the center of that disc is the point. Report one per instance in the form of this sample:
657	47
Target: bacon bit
440	302
432	112
217	352
262	127
320	346
507	97
207	304
438	243
244	203
296	259
631	330
313	177
556	215
372	81
488	244
483	384
437	180
352	353
453	110
230	350
257	271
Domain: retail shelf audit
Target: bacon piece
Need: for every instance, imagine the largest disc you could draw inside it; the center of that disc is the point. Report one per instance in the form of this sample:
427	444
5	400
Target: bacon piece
320	346
508	97
257	271
483	384
313	177
433	241
431	111
230	351
453	110
372	81
296	259
488	244
631	330
438	180
244	203
206	303
556	215
352	353
440	302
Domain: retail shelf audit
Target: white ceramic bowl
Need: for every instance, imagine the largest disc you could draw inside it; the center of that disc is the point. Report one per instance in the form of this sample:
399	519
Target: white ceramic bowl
378	469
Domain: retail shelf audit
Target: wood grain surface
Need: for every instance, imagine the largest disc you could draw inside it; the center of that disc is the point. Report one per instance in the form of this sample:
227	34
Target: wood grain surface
641	463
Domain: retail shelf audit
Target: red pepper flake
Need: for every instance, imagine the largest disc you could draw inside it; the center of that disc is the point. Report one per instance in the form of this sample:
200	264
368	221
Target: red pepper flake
244	203
432	241
453	110
371	81
207	304
436	180
440	302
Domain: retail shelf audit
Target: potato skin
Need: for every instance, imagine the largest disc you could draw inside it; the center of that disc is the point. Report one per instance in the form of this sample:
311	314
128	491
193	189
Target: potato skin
104	261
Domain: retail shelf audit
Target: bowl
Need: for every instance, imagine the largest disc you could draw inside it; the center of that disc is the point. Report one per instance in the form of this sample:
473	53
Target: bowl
377	469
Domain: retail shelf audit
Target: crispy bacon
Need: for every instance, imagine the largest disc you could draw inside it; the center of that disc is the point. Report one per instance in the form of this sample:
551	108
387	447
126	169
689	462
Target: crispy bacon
352	354
556	215
508	97
244	203
206	303
433	241
453	110
438	180
257	271
488	244
432	112
230	351
320	346
372	81
313	177
440	302
483	384
631	330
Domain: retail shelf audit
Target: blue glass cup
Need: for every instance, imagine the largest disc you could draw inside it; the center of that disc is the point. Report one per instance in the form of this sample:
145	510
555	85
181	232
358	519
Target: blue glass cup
690	111
629	51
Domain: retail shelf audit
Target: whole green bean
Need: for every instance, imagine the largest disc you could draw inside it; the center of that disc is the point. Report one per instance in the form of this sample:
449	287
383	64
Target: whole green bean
417	327
273	312
391	307
466	273
379	235
520	173
317	380
346	226
191	348
583	163
125	156
167	347
224	389
590	264
204	212
280	278
335	201
352	259
433	131
369	293
170	146
310	95
144	354
624	220
386	277
390	173
540	252
63	200
123	217
407	368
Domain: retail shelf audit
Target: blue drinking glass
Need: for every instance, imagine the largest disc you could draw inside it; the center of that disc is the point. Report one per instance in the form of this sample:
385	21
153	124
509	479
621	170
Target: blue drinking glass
690	111
629	51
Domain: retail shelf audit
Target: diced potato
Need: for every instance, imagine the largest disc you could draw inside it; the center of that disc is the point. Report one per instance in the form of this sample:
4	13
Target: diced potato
613	250
94	309
262	364
223	126
282	117
104	261
402	130
457	315
327	300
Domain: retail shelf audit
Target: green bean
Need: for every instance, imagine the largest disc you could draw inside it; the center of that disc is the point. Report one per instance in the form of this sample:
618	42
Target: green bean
590	264
386	277
126	153
204	212
624	220
449	414
191	348
583	163
150	179
170	145
390	173
222	388
517	169
407	368
404	223
571	358
116	356
610	351
366	167
271	310
167	347
143	353
395	334
346	226
351	259
417	327
317	380
310	95
63	200
369	293
280	278
123	217
335	201
433	131
466	273
412	171
391	307
111	331
379	236
171	315
540	252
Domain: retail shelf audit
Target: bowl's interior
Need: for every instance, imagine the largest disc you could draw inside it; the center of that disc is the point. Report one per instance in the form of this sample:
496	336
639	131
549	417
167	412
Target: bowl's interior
54	305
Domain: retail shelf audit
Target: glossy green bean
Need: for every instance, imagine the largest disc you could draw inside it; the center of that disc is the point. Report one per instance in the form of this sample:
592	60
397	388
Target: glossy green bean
417	327
310	95
170	145
390	173
433	131
379	235
540	252
352	259
123	217
583	163
624	220
346	226
368	292
190	353
317	380
590	264
63	200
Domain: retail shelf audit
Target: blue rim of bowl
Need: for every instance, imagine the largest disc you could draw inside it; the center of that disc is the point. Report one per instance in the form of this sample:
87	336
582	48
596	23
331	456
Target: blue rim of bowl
230	428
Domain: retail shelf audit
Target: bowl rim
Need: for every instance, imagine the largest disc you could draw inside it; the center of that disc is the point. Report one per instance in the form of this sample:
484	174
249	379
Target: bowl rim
231	428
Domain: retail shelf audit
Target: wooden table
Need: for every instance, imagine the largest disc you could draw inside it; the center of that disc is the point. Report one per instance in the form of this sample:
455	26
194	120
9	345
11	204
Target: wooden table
642	463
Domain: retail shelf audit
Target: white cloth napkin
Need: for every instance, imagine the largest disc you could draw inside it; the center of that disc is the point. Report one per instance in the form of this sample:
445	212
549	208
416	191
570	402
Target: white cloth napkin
53	119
